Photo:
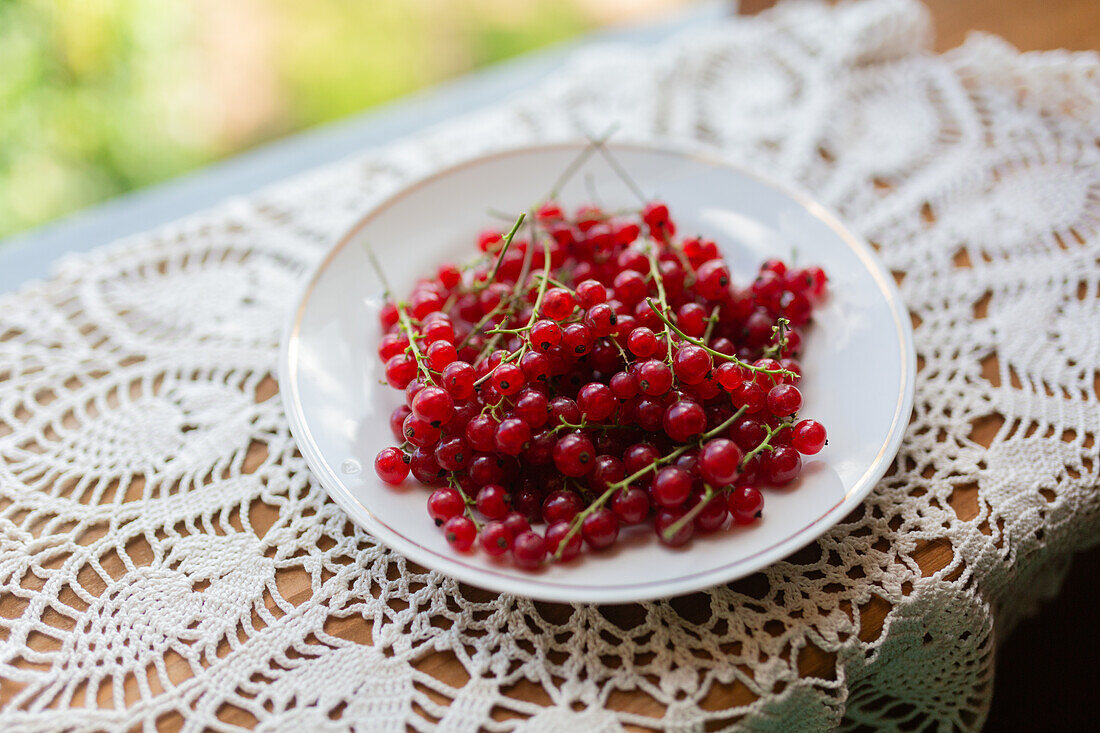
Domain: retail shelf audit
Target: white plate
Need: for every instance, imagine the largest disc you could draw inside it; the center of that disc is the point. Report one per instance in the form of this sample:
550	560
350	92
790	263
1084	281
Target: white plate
859	361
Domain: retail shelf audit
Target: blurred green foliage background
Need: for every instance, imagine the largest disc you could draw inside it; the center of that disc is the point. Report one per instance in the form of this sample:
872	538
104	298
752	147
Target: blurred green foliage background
98	97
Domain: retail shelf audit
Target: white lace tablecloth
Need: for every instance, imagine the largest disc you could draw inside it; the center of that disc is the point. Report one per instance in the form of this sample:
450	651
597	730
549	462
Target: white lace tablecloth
153	508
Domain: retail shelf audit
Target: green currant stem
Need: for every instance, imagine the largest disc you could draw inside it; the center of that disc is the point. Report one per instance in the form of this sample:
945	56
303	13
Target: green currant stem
402	314
600	500
779	335
712	352
655	272
672	529
766	443
500	255
712	321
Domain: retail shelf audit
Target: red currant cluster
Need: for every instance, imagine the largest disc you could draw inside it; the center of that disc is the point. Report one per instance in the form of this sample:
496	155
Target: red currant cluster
622	366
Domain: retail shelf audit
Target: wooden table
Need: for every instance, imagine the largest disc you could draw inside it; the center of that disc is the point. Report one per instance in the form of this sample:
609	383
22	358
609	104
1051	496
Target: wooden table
1029	24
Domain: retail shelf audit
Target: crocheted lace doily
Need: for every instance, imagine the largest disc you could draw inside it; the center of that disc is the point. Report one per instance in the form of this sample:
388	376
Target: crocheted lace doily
154	510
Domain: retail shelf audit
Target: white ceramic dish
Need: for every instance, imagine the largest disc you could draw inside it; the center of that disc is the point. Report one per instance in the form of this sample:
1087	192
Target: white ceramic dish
859	361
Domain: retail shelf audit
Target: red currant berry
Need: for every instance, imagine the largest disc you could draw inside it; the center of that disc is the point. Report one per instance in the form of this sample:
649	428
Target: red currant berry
684	419
460	533
665	519
712	516
557	304
391	465
512	436
574	455
748	433
577	339
440	354
720	462
400	370
809	437
444	504
535	366
600	529
624	385
458	379
712	280
782	465
749	395
496	538
391	345
545	335
692	319
671	487
631	506
590	293
784	399
493	501
529	550
643	343
419	432
654	377
691	363
596	401
745	504
433	405
508	379
556	534
453	454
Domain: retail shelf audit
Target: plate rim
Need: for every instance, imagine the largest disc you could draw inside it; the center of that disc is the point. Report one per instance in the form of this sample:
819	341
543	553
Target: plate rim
556	591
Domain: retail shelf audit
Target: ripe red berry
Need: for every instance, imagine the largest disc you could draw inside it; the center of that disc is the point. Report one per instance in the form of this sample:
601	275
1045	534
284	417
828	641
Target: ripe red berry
400	370
493	501
391	465
712	280
545	335
512	436
691	363
590	293
654	377
555	535
782	465
444	504
720	462
596	401
496	538
643	343
433	405
671	487
745	504
784	399
557	304
508	379
631	506
460	533
452	454
600	529
684	419
529	550
808	437
665	519
574	455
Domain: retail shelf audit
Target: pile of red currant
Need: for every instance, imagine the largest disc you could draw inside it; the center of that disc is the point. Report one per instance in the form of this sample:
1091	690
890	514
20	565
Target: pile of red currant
619	365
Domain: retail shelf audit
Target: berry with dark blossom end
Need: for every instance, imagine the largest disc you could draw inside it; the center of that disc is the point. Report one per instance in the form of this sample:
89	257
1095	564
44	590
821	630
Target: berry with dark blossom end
452	454
493	501
444	504
555	536
600	529
458	379
720	462
808	437
391	465
745	503
529	550
508	379
574	455
460	533
495	538
712	280
420	432
545	335
512	436
654	377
